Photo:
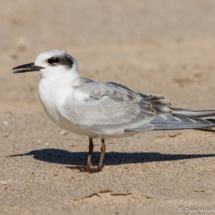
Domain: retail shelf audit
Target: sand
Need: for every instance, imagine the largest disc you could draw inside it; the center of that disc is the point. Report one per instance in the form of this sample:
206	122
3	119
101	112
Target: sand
164	47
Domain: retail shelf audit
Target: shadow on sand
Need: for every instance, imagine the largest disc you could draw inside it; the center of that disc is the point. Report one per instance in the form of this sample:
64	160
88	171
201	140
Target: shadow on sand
59	156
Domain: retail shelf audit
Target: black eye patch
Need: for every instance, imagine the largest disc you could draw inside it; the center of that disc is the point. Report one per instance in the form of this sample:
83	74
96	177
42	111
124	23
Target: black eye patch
64	60
53	60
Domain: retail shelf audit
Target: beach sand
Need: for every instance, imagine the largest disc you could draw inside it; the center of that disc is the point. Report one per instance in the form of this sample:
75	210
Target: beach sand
163	47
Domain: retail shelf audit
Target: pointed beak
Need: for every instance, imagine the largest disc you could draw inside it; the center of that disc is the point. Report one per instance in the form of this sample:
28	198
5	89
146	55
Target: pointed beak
30	67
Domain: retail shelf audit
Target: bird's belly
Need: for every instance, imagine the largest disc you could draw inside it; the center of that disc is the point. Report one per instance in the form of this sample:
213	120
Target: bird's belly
69	126
64	123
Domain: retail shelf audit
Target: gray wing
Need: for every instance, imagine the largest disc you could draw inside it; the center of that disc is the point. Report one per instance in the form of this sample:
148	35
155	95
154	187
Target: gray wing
108	109
112	108
167	118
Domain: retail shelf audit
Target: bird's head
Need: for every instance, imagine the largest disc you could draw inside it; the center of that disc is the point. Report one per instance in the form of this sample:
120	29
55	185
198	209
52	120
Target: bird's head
50	64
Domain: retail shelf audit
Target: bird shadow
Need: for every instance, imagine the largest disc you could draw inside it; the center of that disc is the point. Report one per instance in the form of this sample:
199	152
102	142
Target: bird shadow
59	156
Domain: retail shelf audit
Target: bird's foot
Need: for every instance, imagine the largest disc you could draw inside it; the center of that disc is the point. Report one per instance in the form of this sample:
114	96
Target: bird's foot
76	167
80	167
91	169
86	168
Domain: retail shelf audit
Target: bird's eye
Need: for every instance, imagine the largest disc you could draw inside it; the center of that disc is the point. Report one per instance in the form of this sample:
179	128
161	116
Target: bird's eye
53	60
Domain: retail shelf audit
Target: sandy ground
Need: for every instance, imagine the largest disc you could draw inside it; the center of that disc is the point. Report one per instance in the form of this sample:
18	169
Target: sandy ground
164	47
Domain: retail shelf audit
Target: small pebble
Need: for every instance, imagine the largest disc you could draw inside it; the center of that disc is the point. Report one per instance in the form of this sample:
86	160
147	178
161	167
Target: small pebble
64	132
5	123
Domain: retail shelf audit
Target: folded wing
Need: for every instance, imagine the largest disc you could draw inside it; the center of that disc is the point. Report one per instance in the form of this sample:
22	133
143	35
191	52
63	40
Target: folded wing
108	109
112	108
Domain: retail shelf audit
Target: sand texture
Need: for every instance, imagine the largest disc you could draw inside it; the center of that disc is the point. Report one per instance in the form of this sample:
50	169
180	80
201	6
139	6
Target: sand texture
160	46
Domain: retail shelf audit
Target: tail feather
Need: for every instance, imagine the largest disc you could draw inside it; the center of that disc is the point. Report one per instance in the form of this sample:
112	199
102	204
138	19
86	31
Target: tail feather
212	129
203	114
179	122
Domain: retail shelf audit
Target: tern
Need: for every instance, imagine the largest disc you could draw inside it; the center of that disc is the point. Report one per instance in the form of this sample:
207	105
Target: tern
104	110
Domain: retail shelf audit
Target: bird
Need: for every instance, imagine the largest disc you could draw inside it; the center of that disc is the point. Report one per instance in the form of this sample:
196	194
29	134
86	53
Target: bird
104	110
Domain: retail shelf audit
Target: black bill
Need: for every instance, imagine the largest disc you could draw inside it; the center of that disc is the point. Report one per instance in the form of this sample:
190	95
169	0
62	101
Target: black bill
30	67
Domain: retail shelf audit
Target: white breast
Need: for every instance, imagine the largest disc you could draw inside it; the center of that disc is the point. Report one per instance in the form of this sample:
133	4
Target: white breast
52	95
